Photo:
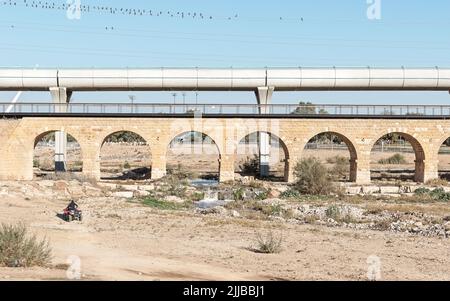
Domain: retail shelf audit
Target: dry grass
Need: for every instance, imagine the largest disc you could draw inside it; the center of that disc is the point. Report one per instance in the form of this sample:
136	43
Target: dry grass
268	244
18	249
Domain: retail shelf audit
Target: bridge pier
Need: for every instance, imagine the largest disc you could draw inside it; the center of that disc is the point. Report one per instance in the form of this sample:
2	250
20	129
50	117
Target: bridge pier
159	161
264	98
61	97
428	170
226	168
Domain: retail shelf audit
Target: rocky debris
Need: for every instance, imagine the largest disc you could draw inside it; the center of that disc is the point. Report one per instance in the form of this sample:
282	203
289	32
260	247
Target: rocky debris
273	193
123	194
219	210
111	186
370	189
140	193
93	191
273	201
234	213
60	186
148	187
128	187
389	190
173	199
354	190
76	191
45	183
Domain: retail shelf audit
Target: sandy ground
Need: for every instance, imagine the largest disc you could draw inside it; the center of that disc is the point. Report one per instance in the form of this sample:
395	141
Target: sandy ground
120	240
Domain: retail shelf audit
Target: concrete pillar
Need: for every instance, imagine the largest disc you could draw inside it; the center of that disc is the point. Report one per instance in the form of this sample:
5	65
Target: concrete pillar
360	169
60	97
159	161
226	168
264	98
289	170
91	160
426	170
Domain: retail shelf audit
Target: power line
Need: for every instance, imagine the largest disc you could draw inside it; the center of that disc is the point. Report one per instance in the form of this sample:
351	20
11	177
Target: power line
118	33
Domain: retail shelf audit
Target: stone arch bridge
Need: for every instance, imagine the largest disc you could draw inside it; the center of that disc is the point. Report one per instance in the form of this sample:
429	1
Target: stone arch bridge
19	137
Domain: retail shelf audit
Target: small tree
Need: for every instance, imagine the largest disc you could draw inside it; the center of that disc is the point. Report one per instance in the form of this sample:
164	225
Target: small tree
312	177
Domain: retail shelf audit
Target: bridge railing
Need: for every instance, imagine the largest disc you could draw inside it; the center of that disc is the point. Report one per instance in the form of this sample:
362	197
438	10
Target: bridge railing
228	109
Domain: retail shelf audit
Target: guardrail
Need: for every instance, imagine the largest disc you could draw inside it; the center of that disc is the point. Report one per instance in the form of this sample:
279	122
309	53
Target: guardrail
224	109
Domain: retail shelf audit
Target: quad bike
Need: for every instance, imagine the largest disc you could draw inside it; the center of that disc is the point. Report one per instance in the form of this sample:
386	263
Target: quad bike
72	213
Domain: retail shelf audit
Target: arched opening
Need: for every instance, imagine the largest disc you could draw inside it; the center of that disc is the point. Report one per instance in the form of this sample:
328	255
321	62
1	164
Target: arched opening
444	160
193	155
249	157
397	157
45	157
336	152
125	155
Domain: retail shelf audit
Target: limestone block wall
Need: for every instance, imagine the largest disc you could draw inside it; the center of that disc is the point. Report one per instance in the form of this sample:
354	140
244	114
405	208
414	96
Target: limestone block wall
19	138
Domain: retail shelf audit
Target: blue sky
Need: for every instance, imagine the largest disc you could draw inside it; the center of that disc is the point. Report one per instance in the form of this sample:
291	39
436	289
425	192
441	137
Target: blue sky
410	33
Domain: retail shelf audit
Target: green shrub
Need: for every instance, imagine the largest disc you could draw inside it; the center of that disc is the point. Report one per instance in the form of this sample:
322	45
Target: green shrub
36	163
238	194
336	214
163	205
312	177
126	165
250	166
422	190
18	249
341	167
333	212
394	159
268	244
437	194
290	194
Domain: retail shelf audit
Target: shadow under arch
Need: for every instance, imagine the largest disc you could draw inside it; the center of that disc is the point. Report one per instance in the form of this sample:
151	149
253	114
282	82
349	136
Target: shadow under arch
443	156
199	150
44	146
419	162
251	166
353	162
125	154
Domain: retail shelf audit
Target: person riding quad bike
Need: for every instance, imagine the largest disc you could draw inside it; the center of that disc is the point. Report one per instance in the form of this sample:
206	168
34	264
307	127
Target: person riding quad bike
72	212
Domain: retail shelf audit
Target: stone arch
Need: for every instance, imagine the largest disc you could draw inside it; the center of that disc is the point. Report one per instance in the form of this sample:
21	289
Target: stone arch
133	167
272	137
195	150
443	157
419	153
74	160
351	148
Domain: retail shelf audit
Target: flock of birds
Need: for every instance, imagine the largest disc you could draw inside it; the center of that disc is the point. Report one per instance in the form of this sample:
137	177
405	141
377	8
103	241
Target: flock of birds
50	5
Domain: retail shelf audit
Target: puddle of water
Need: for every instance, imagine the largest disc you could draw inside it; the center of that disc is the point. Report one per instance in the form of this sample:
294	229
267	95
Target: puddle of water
203	182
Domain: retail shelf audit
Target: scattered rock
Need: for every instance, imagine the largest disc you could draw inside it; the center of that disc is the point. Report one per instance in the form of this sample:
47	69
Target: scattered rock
234	213
389	189
141	193
93	191
273	194
60	186
123	194
129	187
370	189
219	210
173	199
111	186
149	187
45	183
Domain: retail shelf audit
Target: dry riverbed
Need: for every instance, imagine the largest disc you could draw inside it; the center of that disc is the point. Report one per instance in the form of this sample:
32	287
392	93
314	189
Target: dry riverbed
121	238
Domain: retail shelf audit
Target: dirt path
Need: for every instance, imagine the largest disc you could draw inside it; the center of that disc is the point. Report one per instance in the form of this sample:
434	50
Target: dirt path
120	240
